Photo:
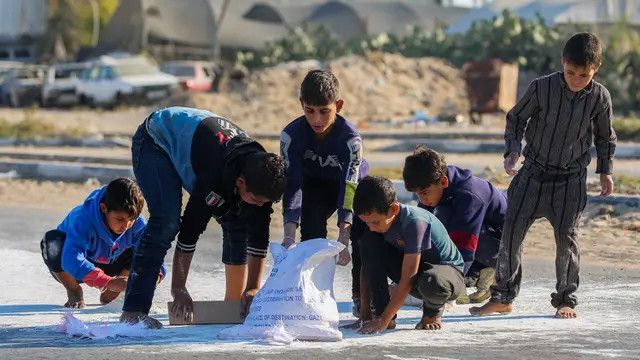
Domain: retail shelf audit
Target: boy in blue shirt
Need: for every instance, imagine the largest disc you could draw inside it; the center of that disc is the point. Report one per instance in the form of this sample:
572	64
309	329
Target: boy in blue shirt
323	153
471	209
410	246
94	243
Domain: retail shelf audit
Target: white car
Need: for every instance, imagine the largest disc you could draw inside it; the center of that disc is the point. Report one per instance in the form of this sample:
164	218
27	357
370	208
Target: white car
60	84
132	79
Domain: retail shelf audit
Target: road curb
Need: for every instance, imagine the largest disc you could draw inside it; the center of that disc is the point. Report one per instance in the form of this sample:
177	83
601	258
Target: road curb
628	200
64	172
623	151
81	173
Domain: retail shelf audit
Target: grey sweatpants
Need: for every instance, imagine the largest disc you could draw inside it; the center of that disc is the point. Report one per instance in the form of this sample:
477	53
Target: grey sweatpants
560	198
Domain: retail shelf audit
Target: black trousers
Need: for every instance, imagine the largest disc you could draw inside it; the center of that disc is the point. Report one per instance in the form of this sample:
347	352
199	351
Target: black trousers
318	204
435	284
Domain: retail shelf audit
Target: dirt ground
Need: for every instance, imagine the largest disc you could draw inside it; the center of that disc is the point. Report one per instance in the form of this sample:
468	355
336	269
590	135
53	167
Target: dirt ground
608	235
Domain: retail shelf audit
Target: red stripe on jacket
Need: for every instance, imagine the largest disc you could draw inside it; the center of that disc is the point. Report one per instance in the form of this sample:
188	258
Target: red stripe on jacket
464	240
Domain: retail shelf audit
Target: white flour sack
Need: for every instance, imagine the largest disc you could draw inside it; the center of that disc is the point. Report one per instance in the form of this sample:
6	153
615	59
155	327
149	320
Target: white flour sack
297	300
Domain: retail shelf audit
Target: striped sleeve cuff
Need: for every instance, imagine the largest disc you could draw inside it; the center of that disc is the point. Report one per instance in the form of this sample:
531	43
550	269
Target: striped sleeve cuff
512	146
261	253
187	248
604	166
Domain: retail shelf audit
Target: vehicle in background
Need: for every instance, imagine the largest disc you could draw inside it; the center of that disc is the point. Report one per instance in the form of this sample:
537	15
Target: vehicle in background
122	78
192	75
22	86
60	84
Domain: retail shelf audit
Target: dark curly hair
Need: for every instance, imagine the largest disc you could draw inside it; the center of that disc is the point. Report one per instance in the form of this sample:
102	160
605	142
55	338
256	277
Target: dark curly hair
422	169
265	175
123	194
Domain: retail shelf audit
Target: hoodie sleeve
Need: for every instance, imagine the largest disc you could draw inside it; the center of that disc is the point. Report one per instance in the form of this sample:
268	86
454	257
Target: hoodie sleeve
196	216
292	197
74	259
465	226
352	154
260	219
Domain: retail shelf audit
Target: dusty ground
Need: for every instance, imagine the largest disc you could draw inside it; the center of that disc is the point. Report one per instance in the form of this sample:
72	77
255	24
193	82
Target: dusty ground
608	235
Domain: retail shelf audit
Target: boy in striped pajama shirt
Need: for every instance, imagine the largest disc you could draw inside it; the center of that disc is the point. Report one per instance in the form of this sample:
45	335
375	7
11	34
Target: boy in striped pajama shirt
559	116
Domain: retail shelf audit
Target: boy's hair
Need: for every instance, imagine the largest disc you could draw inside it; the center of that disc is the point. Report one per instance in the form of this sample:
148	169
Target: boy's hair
374	194
583	49
319	88
265	175
422	169
123	194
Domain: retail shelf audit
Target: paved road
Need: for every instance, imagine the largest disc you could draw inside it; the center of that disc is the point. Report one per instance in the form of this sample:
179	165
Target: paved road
608	326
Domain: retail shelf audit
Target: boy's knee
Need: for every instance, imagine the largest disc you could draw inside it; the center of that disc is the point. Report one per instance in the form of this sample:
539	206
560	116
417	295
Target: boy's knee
161	232
51	249
430	285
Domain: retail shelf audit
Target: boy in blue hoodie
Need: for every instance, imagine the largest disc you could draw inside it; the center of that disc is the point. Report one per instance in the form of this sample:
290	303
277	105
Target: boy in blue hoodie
93	244
471	209
323	153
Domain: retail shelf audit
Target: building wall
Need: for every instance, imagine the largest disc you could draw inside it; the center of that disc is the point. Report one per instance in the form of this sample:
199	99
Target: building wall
22	17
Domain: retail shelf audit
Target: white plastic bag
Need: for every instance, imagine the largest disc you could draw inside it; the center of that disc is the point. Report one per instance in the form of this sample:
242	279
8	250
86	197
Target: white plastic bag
75	327
297	300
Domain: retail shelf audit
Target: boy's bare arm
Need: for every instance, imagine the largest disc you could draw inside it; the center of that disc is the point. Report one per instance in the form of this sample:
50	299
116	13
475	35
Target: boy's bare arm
410	265
255	266
182	302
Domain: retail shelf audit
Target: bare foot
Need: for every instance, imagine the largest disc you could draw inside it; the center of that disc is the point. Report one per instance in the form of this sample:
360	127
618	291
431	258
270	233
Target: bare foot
75	298
565	312
491	308
430	323
134	317
448	306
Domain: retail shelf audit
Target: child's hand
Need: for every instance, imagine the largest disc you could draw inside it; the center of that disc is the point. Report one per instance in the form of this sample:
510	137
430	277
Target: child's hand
117	284
374	326
288	241
606	183
344	257
510	163
182	304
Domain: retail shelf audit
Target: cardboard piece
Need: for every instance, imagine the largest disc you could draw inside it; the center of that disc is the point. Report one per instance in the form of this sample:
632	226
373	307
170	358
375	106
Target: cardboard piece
210	312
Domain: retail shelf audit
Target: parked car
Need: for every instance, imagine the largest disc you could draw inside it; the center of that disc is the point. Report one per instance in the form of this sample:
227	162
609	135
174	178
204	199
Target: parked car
112	80
22	86
192	75
60	84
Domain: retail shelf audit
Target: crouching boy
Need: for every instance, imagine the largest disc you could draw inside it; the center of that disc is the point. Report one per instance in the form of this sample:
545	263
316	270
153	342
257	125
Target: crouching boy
94	243
410	246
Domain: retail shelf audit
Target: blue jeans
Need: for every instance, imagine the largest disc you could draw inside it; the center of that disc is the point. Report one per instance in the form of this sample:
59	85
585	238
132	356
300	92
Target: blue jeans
162	189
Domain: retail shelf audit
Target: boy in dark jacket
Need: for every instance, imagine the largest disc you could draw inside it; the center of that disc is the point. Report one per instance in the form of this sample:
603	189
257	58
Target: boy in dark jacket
229	177
323	152
94	243
559	117
410	246
471	209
